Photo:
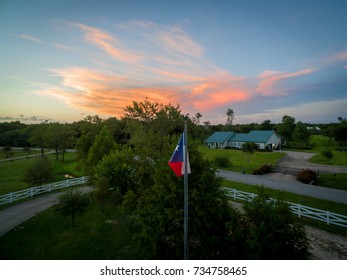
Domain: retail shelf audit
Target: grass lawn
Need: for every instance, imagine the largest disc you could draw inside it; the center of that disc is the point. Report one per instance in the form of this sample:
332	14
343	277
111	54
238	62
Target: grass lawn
335	181
48	236
240	160
322	143
12	172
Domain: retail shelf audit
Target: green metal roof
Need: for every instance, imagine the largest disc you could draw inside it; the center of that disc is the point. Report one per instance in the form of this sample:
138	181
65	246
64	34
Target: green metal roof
257	136
219	137
260	136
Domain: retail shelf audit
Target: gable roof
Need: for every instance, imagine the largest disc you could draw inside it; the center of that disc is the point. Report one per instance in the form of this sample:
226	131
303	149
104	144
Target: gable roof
260	136
257	136
219	137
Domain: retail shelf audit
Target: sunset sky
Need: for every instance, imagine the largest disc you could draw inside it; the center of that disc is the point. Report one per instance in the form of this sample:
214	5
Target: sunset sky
63	60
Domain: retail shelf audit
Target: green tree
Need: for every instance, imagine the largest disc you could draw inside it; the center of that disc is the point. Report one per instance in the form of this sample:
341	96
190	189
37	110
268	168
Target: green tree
71	203
301	136
230	117
87	129
8	151
266	125
39	137
152	127
286	128
160	214
328	154
339	131
271	231
103	145
249	148
125	171
40	172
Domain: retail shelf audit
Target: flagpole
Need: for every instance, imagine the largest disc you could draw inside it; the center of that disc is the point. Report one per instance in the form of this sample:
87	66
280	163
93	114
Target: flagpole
186	252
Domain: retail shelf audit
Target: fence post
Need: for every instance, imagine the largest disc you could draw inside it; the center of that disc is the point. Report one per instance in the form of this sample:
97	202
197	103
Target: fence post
234	190
11	197
328	218
299	210
66	183
31	192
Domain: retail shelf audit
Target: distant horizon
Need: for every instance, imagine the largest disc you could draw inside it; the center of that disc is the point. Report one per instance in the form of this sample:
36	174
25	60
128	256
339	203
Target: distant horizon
65	60
40	120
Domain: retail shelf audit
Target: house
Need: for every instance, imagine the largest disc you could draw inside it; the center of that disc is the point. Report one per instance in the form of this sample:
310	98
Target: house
264	139
219	140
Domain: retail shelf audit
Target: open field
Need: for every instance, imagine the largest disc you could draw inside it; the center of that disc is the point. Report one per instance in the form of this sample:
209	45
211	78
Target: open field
12	172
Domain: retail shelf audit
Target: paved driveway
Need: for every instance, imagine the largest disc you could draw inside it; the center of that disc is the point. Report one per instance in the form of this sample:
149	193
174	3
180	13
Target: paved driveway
15	215
300	160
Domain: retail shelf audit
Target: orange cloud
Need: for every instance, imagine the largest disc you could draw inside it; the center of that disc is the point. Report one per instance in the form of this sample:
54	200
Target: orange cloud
269	79
162	63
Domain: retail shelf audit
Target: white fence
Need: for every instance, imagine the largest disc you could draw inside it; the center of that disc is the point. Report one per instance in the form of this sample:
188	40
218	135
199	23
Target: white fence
30	192
300	210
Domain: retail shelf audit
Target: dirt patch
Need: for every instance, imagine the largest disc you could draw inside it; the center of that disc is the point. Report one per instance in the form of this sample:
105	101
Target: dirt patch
325	245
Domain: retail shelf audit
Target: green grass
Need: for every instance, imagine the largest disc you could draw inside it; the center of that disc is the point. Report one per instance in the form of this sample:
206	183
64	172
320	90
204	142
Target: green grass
92	238
240	160
325	205
12	172
335	181
321	143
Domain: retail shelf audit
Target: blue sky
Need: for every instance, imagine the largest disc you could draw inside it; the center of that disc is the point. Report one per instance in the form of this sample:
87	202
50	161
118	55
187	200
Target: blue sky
63	60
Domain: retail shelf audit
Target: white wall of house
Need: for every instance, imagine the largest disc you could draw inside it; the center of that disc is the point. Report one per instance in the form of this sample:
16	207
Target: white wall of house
274	140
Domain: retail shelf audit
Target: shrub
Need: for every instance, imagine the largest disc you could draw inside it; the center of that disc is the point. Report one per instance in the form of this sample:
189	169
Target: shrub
222	161
307	176
262	170
328	154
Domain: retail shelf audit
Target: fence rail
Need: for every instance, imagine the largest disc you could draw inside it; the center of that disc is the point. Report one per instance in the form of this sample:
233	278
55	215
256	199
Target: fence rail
327	217
30	192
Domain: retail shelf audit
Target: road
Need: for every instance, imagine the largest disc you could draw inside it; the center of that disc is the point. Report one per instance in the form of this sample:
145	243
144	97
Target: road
286	183
15	215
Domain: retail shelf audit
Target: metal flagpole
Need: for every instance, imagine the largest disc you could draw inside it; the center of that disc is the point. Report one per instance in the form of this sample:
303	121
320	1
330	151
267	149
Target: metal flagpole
185	145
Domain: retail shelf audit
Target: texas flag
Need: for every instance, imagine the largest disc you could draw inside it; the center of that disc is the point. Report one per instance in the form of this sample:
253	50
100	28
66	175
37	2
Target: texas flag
177	159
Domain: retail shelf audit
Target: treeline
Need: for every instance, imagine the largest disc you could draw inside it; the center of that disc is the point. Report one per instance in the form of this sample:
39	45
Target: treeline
62	136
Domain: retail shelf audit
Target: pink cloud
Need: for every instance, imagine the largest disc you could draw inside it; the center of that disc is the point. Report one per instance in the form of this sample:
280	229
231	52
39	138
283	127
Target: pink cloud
269	80
339	56
107	43
164	64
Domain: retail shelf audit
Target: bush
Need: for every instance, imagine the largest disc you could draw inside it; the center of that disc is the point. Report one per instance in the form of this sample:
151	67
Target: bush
328	154
222	161
307	176
262	170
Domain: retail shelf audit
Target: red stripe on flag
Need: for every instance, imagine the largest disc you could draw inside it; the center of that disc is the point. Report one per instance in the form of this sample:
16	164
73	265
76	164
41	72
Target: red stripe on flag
177	168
